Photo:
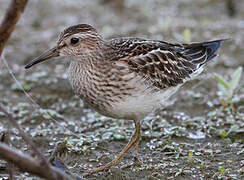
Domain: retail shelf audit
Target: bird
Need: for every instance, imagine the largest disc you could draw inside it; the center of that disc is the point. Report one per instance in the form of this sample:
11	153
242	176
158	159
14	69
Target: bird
126	77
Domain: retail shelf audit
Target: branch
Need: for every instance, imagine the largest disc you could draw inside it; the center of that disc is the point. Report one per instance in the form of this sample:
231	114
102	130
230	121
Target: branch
28	164
5	139
44	162
10	19
24	161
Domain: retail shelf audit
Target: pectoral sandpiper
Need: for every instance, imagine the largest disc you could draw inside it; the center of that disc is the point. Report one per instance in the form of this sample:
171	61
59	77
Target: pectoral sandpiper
127	78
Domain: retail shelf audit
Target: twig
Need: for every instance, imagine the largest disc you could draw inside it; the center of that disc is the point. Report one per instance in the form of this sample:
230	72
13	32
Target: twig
44	166
10	19
5	139
26	138
28	164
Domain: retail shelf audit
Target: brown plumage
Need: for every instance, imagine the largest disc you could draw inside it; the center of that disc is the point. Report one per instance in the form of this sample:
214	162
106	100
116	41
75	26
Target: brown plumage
127	78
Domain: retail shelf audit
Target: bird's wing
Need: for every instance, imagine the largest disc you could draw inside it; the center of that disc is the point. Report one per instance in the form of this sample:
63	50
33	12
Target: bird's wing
164	64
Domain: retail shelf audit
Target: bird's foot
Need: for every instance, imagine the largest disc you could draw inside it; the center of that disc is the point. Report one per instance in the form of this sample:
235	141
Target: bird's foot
102	168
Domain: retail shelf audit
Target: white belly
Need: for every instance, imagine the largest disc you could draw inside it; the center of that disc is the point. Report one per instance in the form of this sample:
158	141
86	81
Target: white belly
141	104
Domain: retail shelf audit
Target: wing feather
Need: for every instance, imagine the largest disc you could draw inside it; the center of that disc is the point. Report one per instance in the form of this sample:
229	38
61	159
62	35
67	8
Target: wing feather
161	63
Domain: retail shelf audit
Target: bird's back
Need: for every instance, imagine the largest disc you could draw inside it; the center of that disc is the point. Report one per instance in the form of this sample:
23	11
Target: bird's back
163	64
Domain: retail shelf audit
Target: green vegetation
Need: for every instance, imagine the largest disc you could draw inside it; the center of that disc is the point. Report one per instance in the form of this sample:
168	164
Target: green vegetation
229	88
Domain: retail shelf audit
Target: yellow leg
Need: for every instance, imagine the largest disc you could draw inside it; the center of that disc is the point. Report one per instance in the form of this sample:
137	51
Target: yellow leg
136	152
137	159
123	127
133	141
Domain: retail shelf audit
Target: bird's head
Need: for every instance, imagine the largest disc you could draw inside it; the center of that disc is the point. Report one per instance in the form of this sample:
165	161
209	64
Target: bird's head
78	40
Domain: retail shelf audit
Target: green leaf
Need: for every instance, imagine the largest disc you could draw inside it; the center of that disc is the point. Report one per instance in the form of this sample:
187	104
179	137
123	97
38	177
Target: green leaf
222	133
236	78
233	128
187	35
222	171
26	86
202	165
190	154
118	137
223	89
222	81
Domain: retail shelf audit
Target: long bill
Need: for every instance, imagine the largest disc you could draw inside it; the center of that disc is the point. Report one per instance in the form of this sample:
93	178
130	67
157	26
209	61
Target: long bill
43	57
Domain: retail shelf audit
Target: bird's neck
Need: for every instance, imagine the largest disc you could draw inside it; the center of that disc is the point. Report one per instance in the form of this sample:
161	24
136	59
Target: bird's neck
78	75
92	63
81	72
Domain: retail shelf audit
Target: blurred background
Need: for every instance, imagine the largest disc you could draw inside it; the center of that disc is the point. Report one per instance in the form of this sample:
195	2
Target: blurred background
197	119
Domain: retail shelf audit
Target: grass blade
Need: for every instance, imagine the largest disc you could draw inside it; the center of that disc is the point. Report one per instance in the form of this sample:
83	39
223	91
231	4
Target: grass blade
236	78
222	81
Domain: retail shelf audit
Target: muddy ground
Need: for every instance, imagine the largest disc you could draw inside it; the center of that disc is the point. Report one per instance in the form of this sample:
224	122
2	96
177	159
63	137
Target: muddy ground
194	137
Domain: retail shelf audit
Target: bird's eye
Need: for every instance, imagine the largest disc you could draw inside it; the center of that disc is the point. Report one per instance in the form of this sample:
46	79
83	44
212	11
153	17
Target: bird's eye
74	41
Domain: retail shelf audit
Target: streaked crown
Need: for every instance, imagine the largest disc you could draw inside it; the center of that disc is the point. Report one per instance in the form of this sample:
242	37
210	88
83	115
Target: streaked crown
79	40
79	28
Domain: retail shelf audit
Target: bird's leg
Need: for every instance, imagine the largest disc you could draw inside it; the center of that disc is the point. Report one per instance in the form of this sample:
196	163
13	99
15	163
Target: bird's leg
134	140
137	144
123	127
136	151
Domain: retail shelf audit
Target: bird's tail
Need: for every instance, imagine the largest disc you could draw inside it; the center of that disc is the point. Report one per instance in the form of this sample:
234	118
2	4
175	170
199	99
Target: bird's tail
200	53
